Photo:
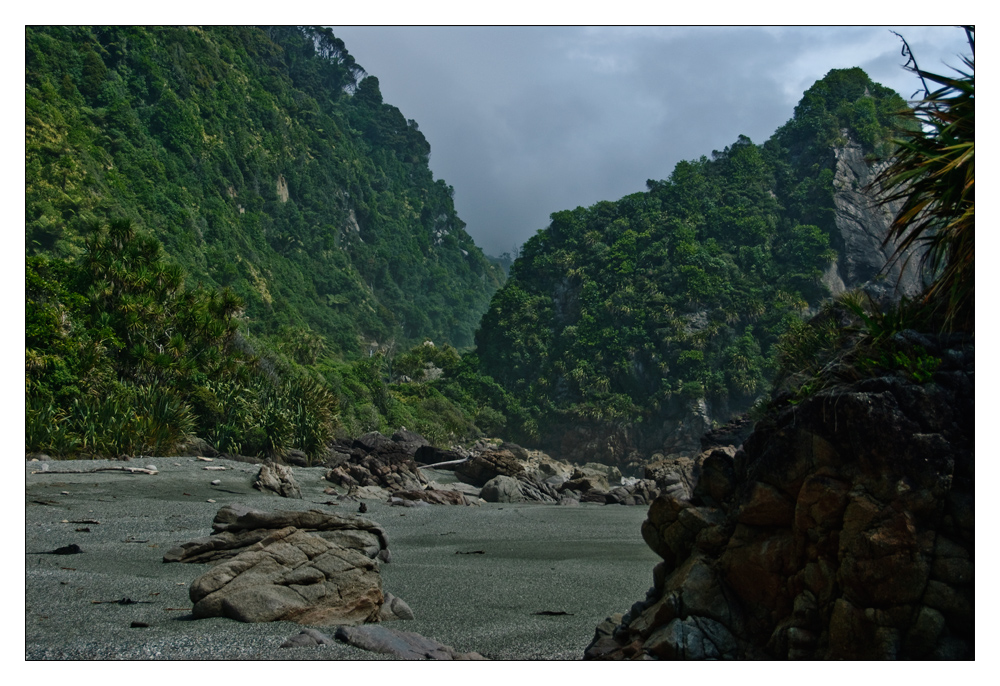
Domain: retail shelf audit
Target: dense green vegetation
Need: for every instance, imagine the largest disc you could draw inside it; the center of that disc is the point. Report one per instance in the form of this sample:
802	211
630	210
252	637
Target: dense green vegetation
263	160
122	358
933	173
630	311
229	234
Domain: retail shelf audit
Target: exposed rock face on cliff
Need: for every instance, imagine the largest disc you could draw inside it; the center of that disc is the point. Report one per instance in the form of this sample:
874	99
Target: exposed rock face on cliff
861	226
844	528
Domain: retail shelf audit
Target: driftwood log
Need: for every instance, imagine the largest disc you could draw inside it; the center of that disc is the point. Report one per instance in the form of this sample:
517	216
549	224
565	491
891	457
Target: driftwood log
127	470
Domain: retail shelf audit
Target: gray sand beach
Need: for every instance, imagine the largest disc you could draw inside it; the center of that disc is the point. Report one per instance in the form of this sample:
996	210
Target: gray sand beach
587	561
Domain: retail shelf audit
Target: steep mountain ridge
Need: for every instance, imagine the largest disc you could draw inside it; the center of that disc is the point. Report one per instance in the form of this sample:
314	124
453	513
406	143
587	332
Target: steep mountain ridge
630	327
262	159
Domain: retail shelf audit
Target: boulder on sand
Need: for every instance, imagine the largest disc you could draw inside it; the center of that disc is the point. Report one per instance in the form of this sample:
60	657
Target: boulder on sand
487	465
502	489
294	576
277	478
375	460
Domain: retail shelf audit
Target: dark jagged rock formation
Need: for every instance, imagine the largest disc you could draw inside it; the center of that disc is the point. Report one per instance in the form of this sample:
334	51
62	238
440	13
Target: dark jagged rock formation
734	432
375	460
843	529
487	465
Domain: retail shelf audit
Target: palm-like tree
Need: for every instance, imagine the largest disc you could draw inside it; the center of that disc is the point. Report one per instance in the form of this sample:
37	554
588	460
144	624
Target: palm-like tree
933	173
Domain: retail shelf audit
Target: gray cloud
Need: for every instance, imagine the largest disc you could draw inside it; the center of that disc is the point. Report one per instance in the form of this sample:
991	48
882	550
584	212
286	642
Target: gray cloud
526	121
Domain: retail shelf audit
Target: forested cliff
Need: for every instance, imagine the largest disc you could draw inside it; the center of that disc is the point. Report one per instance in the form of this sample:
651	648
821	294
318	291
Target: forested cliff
263	159
230	235
229	221
630	326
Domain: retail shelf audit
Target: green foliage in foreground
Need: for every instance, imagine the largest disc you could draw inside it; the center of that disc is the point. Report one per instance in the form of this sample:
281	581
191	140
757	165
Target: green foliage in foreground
627	312
263	160
851	338
122	358
934	174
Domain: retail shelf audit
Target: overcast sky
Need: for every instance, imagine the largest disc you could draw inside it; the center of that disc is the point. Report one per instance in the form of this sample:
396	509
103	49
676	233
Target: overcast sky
526	121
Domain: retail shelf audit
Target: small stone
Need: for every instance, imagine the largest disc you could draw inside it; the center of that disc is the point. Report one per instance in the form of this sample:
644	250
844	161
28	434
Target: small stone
64	492
214	468
139	625
204	459
152	468
71	549
210	500
216	482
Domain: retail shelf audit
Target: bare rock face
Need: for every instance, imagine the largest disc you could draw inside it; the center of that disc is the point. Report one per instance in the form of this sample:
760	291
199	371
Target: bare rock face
277	478
410	441
862	224
295	576
844	529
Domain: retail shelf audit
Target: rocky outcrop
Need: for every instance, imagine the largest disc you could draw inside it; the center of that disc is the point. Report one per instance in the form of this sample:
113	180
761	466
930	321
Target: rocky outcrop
295	576
678	476
541	466
374	460
732	433
843	529
277	478
595	443
487	465
237	527
308	567
409	441
429	455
